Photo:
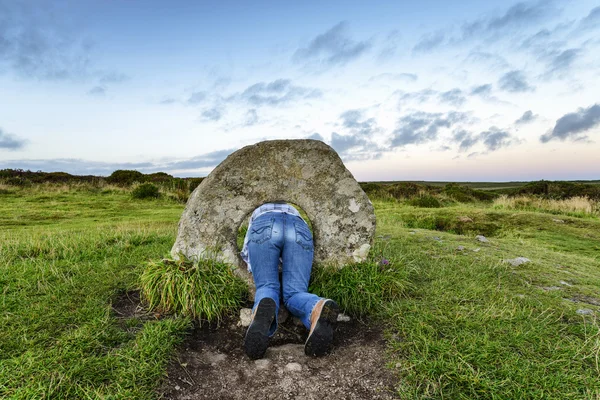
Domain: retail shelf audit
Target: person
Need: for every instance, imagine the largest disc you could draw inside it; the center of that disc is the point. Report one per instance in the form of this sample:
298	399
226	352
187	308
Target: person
278	234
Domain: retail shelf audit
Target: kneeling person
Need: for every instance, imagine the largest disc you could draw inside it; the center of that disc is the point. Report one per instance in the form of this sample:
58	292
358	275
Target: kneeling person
277	232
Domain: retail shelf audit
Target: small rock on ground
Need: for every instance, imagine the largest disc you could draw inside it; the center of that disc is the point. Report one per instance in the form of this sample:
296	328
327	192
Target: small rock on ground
482	239
585	311
460	248
517	261
293	367
245	317
558	221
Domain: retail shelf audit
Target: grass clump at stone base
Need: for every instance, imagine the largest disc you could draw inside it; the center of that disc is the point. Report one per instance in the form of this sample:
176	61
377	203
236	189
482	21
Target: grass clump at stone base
205	290
362	288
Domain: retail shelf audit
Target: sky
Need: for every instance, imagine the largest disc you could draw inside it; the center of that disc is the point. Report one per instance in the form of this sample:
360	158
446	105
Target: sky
429	90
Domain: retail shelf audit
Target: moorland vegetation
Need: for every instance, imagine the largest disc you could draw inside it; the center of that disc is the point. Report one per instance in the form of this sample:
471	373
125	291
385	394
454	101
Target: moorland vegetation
461	319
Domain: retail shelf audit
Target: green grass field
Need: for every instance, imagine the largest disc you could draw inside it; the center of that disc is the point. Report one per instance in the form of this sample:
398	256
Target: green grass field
460	322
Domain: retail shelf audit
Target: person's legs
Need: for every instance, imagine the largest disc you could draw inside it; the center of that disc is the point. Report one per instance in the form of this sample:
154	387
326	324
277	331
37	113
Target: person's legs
317	314
297	256
264	249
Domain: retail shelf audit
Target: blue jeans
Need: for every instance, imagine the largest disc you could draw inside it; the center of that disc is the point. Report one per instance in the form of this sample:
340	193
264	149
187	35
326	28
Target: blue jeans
274	235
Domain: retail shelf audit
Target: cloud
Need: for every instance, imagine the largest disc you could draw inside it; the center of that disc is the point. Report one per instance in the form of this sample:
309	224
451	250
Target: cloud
430	42
10	142
527	117
86	167
420	96
453	97
592	20
97	91
251	117
275	93
516	18
76	166
561	61
167	101
196	97
355	148
36	43
406	77
211	159
422	127
572	126
515	82
495	139
212	114
464	139
113	77
333	47
355	122
482	90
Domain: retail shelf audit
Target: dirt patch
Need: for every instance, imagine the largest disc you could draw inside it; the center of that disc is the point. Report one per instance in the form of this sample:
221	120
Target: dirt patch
212	365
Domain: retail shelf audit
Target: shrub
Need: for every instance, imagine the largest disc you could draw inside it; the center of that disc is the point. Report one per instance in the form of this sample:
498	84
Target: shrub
194	183
426	201
158	177
123	177
145	191
206	290
361	288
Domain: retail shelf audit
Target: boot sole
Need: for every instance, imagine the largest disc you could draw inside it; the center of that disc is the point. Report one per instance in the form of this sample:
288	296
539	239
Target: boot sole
257	336
319	341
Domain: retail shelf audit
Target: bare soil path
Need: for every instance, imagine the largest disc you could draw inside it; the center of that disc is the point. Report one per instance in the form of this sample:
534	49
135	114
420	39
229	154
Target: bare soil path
212	365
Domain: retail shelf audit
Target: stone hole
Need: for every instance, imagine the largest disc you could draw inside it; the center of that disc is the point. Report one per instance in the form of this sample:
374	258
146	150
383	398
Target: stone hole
307	173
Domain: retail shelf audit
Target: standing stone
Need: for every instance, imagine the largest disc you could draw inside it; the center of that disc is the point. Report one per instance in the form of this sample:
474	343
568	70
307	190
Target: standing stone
308	173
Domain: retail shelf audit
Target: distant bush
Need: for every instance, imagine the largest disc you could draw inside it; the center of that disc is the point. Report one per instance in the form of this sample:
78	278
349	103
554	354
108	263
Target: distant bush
145	191
194	183
559	190
124	177
158	177
464	194
425	202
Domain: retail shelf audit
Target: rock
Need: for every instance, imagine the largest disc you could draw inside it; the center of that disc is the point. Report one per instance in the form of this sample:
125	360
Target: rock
293	367
476	250
558	221
308	173
517	261
482	239
437	238
464	218
585	311
460	248
263	363
343	318
565	283
550	288
245	317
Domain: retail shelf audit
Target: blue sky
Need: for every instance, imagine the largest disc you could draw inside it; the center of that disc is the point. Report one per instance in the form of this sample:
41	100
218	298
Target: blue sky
428	90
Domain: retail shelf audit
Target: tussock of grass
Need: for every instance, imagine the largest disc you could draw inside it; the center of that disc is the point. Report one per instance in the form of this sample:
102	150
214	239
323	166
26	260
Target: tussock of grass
577	206
204	290
360	289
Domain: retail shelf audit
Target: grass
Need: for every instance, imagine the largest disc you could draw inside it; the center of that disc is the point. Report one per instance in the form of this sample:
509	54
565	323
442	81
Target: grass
575	206
461	323
203	290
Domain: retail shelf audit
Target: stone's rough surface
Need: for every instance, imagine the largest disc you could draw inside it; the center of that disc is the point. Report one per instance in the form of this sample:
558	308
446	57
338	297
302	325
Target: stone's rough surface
308	173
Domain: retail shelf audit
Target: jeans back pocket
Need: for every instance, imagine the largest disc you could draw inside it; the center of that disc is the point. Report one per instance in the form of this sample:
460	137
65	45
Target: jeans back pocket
303	235
260	231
